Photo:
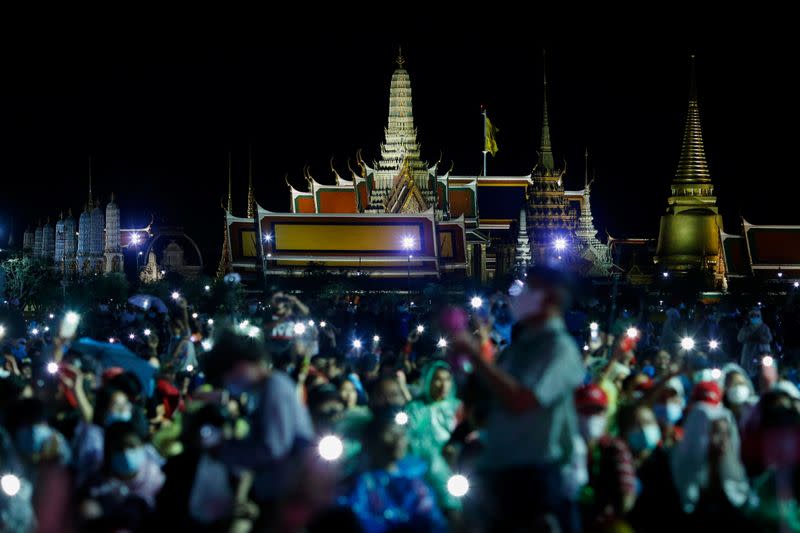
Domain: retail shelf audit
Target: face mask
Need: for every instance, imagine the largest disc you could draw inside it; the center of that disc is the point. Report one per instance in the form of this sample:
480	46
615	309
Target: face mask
669	413
592	427
529	302
738	394
31	440
755	320
124	416
645	439
128	462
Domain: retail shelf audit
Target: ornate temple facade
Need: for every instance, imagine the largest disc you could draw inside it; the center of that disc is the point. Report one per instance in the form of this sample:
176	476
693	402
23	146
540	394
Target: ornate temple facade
399	216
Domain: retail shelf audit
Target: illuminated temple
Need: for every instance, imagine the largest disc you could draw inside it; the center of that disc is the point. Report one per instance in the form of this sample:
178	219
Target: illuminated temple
402	217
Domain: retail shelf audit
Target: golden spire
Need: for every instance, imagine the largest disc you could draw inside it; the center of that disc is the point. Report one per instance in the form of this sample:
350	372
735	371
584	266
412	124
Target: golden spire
224	266
229	202
251	196
545	150
400	59
692	166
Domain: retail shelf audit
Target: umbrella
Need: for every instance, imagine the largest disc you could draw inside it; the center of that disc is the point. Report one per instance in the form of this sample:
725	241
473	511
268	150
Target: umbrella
109	355
145	301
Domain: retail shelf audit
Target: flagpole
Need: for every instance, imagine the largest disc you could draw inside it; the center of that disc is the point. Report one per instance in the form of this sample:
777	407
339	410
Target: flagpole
484	139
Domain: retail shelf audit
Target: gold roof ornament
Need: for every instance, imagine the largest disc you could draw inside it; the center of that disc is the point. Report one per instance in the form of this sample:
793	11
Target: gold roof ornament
692	166
400	59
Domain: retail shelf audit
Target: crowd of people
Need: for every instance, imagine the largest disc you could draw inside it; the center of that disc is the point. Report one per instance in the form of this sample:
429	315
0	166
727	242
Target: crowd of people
517	411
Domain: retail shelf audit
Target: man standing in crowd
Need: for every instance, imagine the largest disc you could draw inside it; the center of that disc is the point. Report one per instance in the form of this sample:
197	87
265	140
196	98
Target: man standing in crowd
532	423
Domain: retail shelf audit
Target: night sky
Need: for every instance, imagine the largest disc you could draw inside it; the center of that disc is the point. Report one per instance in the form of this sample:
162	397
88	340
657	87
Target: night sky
159	106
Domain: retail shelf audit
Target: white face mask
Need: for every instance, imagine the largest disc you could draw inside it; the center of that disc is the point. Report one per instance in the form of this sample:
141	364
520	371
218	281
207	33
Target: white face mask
527	303
738	394
592	427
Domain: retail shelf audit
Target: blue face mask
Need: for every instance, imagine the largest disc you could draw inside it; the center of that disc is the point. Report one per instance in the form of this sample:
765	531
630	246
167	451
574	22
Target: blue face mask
124	416
31	439
645	439
755	320
128	462
668	413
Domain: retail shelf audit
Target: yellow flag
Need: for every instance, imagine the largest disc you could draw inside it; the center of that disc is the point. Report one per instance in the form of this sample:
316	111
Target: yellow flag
491	143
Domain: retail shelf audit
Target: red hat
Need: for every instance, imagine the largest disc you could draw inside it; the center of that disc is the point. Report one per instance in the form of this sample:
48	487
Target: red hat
646	385
170	396
112	372
708	392
590	396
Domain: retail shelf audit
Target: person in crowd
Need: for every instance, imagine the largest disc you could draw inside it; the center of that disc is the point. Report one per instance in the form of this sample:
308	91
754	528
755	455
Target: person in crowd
532	422
392	492
610	492
657	506
755	338
431	421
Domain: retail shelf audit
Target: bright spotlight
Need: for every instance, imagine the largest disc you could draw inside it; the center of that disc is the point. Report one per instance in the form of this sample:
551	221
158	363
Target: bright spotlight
210	322
408	243
458	486
175	295
442	342
51	316
376	338
420	328
632	333
206	344
716	373
323	324
207	288
195	315
665	275
35	331
10	484
476	302
687	343
147	332
594	326
561	244
311	323
52	367
131	336
190	368
330	448
713	345
357	344
253	332
401	418
2	331
767	360
299	328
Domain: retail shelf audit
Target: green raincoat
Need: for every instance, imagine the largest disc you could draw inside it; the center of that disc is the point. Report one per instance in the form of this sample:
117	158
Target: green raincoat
430	424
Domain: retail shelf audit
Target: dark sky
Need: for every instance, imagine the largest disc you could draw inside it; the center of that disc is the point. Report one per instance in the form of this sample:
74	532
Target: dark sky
159	106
